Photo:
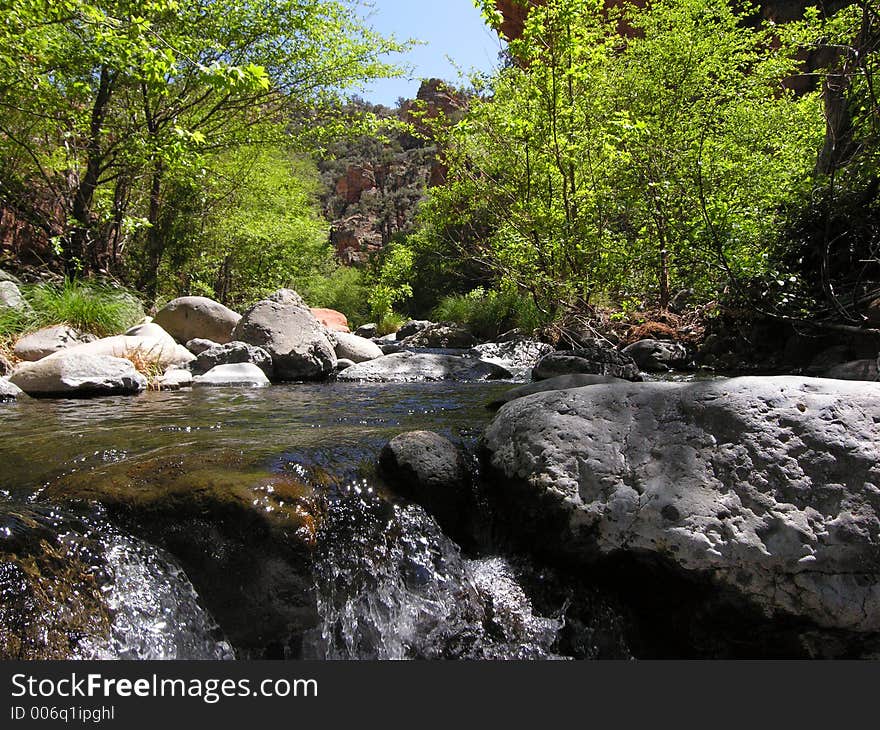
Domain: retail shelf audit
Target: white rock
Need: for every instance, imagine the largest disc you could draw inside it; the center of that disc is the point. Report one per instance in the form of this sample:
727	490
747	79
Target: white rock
68	373
241	375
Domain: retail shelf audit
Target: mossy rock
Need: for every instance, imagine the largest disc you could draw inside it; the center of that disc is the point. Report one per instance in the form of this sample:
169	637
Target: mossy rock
242	533
51	603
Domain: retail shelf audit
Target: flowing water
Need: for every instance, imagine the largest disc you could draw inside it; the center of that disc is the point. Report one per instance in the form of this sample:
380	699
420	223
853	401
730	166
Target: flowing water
81	497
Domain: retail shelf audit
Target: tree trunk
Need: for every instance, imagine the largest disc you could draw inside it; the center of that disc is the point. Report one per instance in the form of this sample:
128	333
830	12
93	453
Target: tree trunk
77	254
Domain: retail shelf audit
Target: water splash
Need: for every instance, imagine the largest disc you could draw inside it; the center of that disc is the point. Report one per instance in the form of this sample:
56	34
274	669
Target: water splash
391	585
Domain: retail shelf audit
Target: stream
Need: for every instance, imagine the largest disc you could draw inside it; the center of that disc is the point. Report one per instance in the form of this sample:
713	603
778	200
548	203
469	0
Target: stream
229	524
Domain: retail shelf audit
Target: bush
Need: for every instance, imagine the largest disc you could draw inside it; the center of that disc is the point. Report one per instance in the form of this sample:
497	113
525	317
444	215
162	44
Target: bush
344	289
489	313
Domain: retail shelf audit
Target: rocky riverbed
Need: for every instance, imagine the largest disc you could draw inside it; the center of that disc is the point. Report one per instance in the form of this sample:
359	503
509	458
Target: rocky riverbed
209	485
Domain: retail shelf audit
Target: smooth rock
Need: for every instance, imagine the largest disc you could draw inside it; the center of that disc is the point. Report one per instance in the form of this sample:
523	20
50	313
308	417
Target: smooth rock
442	335
431	471
158	353
409	367
658	356
47	341
189	318
766	487
198	345
239	375
289	332
595	359
175	379
79	374
11	298
560	382
230	354
150	329
9	391
355	348
331	319
343	364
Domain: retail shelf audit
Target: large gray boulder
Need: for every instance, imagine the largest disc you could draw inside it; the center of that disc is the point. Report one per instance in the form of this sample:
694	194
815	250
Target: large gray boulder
430	470
410	367
560	382
238	375
594	358
189	318
290	333
76	374
47	341
355	348
9	391
198	345
658	356
230	354
766	487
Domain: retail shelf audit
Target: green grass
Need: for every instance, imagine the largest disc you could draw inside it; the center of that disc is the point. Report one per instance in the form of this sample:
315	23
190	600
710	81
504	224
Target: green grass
489	313
97	308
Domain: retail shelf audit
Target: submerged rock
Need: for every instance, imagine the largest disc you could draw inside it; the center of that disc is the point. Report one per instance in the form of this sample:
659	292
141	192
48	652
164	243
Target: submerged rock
242	533
409	367
560	382
658	356
289	332
47	341
238	375
764	487
76	374
594	359
430	470
189	318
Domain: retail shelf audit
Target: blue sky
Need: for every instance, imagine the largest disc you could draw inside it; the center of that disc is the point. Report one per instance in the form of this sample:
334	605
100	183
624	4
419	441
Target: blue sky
452	28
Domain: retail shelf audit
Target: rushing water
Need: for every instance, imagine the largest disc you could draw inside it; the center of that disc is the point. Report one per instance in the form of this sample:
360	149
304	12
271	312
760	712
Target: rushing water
385	581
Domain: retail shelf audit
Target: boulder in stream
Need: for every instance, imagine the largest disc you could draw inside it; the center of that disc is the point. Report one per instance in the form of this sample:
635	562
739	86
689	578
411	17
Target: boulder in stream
47	341
409	367
230	354
767	489
658	356
285	328
237	375
430	470
444	335
189	318
9	391
78	374
592	358
355	348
